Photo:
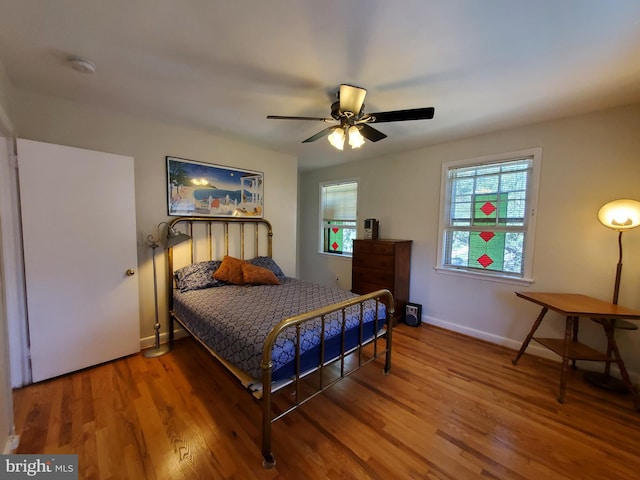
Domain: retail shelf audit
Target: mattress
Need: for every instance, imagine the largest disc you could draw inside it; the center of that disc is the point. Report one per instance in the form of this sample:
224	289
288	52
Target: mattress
234	322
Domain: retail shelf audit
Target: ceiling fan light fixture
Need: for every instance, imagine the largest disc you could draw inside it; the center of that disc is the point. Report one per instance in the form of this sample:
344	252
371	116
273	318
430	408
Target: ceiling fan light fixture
348	110
356	140
336	138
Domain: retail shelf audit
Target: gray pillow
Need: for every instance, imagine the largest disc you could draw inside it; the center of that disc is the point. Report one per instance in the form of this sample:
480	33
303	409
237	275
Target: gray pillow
197	276
268	262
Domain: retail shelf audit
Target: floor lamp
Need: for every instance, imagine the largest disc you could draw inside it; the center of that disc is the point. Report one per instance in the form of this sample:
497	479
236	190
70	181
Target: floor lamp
173	238
619	215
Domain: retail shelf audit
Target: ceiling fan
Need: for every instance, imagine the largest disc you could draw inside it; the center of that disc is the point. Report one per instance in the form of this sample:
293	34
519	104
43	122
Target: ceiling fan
353	124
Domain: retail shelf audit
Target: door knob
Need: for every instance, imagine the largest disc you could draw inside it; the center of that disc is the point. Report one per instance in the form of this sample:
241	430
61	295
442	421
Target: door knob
130	272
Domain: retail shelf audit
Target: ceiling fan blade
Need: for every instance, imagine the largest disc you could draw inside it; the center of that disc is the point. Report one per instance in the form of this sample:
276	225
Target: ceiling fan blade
403	115
351	98
319	135
317	119
371	133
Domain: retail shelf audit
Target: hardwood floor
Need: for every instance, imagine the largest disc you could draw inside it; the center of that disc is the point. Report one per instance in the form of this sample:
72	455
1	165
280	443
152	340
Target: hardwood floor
452	408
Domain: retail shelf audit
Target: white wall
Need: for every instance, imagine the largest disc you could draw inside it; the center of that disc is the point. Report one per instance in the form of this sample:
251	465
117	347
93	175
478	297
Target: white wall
49	119
587	161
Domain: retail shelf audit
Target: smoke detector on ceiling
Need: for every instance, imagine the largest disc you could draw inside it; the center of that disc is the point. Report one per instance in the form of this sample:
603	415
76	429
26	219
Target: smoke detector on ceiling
81	65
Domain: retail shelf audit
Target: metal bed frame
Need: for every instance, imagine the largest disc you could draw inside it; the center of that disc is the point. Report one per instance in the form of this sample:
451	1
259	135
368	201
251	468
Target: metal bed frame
234	229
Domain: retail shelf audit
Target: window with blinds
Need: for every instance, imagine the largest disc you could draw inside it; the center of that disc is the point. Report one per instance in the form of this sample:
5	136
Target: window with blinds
486	222
339	209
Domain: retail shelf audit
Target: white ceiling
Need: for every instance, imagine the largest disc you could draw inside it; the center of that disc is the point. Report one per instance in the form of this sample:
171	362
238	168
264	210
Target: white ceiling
225	65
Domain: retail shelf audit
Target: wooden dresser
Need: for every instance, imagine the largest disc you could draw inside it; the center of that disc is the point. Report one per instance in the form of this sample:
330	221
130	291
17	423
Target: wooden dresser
382	264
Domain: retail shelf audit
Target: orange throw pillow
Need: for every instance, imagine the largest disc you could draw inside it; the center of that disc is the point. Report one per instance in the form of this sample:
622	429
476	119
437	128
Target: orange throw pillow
230	271
258	275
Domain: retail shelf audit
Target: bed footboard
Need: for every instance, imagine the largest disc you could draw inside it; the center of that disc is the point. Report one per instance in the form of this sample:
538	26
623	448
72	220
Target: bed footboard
268	416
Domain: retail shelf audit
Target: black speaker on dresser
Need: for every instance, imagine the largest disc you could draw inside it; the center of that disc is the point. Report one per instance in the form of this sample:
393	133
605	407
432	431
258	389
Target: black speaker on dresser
413	314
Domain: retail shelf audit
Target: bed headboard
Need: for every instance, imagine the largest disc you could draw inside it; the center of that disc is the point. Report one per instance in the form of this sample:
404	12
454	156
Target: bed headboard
212	238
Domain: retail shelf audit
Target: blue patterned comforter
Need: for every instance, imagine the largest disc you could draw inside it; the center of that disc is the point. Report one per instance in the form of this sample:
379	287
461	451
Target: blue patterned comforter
234	320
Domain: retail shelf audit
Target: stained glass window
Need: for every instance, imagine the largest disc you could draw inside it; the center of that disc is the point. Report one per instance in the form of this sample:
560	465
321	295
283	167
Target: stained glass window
487	216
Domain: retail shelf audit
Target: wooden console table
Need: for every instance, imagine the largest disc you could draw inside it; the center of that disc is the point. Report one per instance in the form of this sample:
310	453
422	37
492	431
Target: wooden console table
573	306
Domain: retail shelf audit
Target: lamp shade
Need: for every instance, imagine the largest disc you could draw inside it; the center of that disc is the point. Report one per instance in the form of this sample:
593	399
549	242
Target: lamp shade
337	138
351	98
174	237
356	140
620	215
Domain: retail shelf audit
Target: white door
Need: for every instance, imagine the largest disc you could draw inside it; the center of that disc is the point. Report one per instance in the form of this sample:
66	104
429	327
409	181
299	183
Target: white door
79	229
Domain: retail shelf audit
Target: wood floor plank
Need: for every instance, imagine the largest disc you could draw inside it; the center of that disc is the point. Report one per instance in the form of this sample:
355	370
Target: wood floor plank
451	408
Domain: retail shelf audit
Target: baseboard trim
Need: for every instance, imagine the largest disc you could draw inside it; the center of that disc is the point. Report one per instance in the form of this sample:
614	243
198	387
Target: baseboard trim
147	342
11	445
534	348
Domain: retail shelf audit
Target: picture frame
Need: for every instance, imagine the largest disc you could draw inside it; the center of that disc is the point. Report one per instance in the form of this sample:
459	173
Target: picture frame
203	189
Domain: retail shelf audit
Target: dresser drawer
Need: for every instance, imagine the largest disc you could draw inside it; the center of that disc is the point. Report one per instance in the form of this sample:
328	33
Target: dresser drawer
372	278
366	286
373	247
386	263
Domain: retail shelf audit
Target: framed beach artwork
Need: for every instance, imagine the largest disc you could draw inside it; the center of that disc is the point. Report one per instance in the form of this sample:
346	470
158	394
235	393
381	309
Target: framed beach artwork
196	188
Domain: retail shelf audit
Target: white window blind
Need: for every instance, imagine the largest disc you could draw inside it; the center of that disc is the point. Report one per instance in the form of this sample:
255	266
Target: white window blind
340	201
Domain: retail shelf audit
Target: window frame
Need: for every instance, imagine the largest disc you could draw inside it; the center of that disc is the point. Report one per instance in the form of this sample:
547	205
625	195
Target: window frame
530	218
321	239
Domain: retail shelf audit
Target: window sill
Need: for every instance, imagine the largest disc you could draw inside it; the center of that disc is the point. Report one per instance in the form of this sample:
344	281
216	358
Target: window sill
337	255
459	272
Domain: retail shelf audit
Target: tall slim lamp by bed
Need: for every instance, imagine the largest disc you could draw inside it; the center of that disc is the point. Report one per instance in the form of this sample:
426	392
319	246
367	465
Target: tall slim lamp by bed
619	215
173	238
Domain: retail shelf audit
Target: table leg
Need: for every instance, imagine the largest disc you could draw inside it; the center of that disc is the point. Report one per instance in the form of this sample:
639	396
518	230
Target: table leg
576	322
609	329
568	333
607	365
525	344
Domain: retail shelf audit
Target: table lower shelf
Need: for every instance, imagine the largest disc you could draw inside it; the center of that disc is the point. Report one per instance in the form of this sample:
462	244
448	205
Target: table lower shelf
577	350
